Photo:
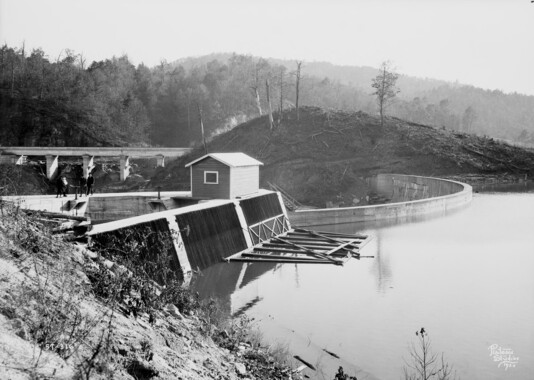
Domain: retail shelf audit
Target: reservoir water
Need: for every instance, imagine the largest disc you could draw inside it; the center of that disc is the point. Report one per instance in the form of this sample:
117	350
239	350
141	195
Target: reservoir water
466	277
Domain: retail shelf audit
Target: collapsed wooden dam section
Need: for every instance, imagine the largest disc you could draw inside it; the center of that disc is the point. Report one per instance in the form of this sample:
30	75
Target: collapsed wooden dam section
254	228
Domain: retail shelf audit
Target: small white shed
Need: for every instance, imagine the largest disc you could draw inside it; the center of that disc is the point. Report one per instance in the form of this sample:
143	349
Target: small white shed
224	175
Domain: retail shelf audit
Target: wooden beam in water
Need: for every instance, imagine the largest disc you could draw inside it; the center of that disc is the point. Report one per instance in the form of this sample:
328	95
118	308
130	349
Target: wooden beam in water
306	247
281	260
300	231
328	237
313	241
324	246
338	248
313	252
315	248
274	256
298	251
334	240
278	249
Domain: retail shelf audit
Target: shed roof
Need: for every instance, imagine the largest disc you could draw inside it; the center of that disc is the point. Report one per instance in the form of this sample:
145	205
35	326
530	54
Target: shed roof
230	159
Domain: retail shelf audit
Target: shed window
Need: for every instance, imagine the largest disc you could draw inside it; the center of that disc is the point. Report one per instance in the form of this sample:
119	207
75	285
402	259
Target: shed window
211	177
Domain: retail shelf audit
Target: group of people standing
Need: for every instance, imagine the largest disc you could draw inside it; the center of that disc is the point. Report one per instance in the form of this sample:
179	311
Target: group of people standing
86	185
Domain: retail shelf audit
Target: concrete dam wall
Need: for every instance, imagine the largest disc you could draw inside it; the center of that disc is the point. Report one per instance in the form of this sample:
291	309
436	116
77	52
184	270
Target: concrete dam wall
411	196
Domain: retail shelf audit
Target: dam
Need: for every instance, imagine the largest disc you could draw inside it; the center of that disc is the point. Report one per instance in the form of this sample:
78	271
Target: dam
203	234
410	196
226	216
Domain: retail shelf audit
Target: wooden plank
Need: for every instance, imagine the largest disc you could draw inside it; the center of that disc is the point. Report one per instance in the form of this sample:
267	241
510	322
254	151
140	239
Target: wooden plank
302	246
291	250
303	250
313	252
313	234
344	253
312	243
317	241
266	256
288	261
278	249
326	233
324	244
333	239
338	248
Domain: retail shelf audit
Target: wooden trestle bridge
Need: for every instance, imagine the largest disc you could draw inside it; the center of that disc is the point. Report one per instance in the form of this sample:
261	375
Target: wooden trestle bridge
305	247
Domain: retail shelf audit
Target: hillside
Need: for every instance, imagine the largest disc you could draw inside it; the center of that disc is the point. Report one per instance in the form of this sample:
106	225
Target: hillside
112	102
327	156
421	100
67	312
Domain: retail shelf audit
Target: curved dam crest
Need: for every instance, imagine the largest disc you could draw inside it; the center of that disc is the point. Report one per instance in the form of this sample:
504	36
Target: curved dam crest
429	196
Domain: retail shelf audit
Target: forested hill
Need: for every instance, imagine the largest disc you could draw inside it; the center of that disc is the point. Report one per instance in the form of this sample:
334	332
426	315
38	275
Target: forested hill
327	155
66	100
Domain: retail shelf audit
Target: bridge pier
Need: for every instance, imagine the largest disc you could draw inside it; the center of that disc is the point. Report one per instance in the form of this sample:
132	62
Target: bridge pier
12	159
88	164
160	160
51	166
21	160
125	167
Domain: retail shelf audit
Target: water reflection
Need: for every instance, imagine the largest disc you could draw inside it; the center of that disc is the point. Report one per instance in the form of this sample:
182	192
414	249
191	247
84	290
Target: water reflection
466	277
381	265
222	280
297	282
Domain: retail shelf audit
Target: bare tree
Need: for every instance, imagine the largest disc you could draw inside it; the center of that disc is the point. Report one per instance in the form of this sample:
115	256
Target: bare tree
385	88
189	93
2	60
202	128
425	364
297	87
22	75
281	85
255	88
271	122
12	77
82	61
468	118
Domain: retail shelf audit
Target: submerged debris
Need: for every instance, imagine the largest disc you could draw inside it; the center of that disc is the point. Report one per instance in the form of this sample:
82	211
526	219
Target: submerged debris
305	247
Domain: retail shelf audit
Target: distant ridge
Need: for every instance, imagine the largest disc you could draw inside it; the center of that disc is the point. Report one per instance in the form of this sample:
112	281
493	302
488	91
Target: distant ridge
352	75
440	103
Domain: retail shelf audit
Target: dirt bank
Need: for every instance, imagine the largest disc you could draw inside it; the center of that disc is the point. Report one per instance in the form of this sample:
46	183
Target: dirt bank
55	323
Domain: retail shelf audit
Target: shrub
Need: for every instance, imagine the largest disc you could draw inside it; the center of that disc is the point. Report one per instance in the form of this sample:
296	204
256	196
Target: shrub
142	277
424	364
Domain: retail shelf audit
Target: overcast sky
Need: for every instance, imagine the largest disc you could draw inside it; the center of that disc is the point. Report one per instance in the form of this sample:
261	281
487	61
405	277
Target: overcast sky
487	43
